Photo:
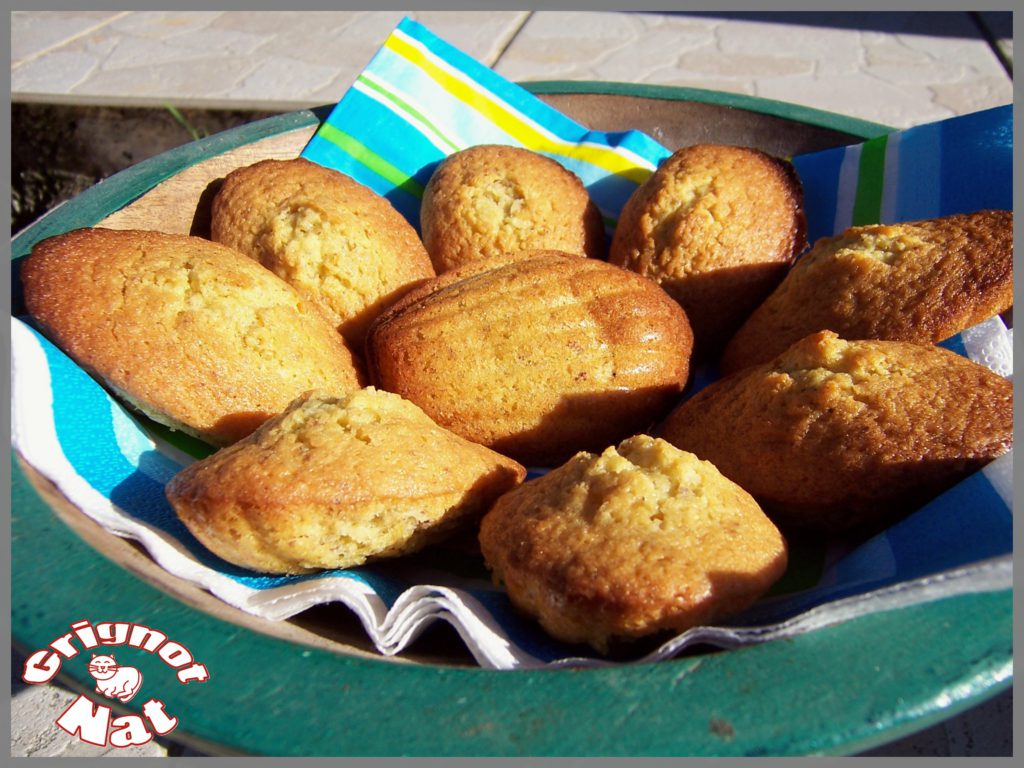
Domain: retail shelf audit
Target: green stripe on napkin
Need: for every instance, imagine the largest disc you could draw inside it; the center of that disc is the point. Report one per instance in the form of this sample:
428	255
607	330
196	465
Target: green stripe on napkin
366	156
867	205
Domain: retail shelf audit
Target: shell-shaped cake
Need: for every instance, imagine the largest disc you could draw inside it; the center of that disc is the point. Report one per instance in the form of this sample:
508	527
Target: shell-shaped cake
536	358
716	226
192	333
339	243
837	435
920	281
335	481
492	199
639	539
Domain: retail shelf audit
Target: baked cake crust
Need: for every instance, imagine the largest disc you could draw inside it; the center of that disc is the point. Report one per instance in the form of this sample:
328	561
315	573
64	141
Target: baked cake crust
920	281
536	358
335	481
836	435
717	227
492	199
640	539
192	333
339	243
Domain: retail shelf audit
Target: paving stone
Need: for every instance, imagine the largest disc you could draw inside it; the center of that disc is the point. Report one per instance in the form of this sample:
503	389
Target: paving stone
253	59
845	95
972	95
601	46
58	72
899	69
40	31
167	83
999	25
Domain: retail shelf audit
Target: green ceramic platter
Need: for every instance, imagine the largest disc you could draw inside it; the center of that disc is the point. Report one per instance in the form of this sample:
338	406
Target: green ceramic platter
838	690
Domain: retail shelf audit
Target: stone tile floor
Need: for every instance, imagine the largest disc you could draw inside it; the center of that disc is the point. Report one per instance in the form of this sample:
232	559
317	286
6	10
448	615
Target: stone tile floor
897	68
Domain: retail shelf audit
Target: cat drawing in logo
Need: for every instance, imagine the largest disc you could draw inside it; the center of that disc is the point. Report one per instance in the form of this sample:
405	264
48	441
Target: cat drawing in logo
113	681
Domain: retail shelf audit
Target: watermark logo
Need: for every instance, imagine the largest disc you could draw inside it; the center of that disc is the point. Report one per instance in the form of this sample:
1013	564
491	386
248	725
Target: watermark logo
94	722
113	681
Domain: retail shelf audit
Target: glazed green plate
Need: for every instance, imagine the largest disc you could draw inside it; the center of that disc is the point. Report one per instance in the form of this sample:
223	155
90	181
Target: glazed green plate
313	687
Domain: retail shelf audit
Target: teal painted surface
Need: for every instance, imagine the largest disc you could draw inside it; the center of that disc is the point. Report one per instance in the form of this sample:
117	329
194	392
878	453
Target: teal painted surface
834	691
829	692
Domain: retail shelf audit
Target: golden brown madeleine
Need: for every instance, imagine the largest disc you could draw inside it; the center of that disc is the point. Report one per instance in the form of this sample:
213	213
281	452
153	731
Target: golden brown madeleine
834	435
192	333
489	200
639	539
337	242
717	227
537	358
921	281
334	481
467	270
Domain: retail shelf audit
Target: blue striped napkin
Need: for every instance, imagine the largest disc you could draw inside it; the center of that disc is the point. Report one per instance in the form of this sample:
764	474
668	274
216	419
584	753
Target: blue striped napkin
959	165
418	100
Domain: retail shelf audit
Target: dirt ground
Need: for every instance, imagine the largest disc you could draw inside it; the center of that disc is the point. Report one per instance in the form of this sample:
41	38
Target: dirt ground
58	151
